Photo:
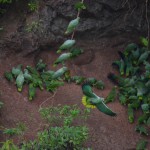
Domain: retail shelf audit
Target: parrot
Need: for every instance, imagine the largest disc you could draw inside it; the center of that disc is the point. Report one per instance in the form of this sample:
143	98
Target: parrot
145	108
143	57
59	72
91	81
141	89
40	65
8	76
117	79
122	99
129	48
143	118
72	25
47	76
20	81
32	91
76	51
66	45
62	58
111	96
16	71
78	79
37	82
130	113
135	55
99	85
27	76
53	85
33	71
96	100
141	145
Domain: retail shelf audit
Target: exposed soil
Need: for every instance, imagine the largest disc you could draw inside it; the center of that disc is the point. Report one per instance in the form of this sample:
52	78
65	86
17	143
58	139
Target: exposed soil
106	133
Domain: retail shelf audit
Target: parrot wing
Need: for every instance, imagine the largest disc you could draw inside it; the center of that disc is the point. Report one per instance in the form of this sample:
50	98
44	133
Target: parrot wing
103	108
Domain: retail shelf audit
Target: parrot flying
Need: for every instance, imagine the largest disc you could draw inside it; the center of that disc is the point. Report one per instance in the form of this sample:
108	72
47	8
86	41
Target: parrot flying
72	25
66	45
96	100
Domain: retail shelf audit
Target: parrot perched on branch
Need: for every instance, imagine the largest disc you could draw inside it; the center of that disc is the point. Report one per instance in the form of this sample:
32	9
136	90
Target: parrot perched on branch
95	100
72	25
66	45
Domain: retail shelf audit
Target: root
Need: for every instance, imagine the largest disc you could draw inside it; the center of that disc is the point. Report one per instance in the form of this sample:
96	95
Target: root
40	107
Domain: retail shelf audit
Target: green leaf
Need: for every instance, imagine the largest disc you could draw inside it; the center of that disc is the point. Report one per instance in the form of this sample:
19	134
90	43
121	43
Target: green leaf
144	41
80	6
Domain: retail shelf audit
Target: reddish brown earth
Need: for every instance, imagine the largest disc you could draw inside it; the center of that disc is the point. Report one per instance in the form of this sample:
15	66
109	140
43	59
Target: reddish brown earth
106	133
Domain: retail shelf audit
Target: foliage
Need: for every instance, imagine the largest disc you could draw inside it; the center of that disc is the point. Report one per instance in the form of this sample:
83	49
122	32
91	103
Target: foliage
33	27
63	135
33	5
133	82
9	145
63	115
19	130
6	1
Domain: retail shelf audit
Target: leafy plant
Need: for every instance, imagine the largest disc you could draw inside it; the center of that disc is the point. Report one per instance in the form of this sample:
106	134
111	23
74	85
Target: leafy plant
19	130
9	145
33	5
63	115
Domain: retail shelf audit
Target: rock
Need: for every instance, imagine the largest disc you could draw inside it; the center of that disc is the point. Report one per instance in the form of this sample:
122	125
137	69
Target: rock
46	27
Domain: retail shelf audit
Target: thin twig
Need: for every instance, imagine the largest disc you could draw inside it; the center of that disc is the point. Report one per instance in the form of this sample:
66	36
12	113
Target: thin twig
78	14
48	100
146	15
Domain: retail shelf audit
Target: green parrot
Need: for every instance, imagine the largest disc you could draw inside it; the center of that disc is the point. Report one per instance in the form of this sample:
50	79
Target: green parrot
37	82
53	85
33	71
47	76
111	96
76	51
91	81
40	65
27	76
130	48
62	58
59	73
78	79
99	85
20	81
8	76
32	91
72	25
96	100
122	67
16	71
66	45
130	113
143	57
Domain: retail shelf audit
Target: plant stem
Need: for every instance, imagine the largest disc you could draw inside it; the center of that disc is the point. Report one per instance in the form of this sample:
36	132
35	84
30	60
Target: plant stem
78	14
